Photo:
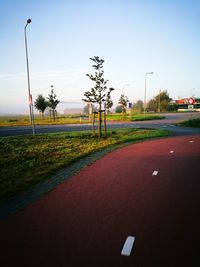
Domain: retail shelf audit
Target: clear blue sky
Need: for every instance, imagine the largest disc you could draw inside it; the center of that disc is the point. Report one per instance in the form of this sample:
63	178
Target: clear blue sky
132	36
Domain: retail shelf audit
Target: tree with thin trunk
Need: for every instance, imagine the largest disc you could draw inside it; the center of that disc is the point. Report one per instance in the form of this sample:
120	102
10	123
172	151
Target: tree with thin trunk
99	93
108	102
53	102
41	104
123	101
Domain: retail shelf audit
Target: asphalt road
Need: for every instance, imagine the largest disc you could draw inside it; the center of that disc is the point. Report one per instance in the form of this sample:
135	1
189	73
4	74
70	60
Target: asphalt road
148	190
167	123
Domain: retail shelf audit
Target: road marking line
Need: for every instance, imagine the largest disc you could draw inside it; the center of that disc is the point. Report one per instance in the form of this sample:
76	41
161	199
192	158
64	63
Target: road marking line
128	245
155	173
191	141
171	152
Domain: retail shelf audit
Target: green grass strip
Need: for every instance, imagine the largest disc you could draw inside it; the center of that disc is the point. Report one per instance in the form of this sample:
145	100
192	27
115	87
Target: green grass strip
191	123
133	117
73	119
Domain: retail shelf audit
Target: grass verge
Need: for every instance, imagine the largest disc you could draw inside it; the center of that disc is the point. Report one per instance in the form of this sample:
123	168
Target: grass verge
73	119
27	160
133	117
191	123
25	120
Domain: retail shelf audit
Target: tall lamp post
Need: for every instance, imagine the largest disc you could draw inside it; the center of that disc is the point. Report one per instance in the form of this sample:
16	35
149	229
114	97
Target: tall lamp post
145	90
28	78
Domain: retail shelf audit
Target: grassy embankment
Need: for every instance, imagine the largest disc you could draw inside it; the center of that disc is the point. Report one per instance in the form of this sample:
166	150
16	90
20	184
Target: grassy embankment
133	117
73	119
191	123
27	160
25	121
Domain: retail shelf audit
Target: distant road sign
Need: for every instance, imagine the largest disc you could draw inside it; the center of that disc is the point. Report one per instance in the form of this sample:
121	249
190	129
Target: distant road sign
191	101
129	105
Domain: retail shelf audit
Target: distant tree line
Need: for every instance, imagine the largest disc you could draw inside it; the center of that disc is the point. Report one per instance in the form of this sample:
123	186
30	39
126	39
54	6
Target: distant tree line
159	103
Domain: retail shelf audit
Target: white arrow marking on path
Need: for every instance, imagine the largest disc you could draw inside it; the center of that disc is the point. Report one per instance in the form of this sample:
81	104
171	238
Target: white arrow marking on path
155	173
126	250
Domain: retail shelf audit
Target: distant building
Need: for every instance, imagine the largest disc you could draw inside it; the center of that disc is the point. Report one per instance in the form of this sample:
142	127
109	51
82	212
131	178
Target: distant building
65	108
188	104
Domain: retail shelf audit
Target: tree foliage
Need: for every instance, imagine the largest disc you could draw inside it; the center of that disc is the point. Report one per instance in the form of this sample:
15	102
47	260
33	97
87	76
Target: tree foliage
41	104
53	102
99	93
108	101
152	105
160	102
123	101
138	106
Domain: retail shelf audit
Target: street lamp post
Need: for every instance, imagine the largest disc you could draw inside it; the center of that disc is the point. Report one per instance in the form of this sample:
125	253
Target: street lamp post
28	78
145	90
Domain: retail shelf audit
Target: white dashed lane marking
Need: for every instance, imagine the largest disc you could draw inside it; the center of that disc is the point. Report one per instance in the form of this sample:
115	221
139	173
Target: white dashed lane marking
171	152
128	245
155	173
191	141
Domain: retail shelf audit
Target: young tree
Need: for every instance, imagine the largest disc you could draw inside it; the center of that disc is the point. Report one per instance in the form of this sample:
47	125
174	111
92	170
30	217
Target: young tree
99	93
108	101
41	104
123	101
53	102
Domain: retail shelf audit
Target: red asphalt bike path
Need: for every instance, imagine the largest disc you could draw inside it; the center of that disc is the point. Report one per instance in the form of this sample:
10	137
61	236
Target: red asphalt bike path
86	220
